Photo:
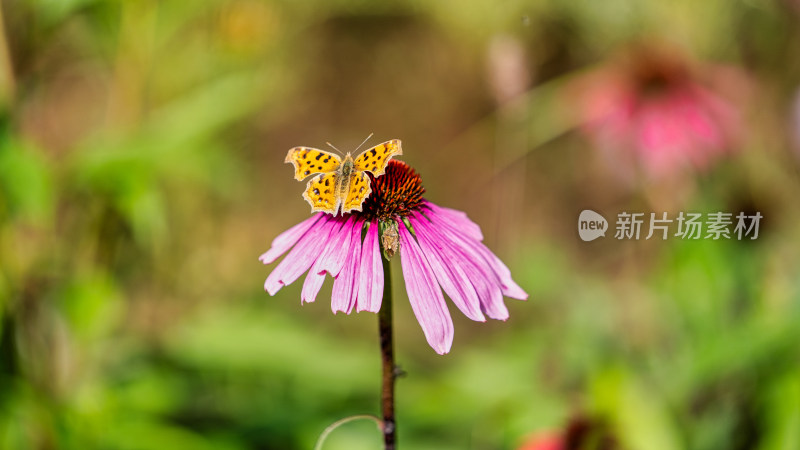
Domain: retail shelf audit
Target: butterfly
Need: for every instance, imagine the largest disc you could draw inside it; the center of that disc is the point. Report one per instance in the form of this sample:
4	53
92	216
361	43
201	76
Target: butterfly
341	184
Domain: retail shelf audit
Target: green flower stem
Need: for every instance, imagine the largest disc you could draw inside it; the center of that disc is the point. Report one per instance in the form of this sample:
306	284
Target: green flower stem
387	356
338	423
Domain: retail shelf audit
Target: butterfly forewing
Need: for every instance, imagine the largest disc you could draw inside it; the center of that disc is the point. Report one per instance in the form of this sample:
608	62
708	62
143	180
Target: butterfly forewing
375	159
308	161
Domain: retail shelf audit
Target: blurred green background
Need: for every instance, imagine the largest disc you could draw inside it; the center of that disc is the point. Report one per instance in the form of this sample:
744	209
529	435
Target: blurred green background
142	174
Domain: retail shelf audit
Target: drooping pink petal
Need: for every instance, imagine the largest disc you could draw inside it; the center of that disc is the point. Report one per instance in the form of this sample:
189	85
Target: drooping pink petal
662	141
370	288
608	106
727	117
300	258
458	219
493	305
345	284
483	279
424	295
333	257
311	286
485	282
492	281
287	239
699	122
509	287
316	276
328	260
448	268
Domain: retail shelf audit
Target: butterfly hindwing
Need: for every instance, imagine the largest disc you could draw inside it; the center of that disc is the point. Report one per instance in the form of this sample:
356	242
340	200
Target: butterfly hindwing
375	159
321	193
308	161
358	190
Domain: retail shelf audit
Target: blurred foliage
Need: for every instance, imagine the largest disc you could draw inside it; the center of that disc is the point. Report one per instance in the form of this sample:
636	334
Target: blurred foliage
141	174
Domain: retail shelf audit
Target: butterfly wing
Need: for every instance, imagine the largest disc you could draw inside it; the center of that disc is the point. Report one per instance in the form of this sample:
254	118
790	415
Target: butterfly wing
358	190
375	159
308	161
321	193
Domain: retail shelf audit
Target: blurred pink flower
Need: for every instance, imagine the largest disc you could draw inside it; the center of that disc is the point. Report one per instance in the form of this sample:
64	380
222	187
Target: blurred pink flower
658	109
439	248
580	432
544	441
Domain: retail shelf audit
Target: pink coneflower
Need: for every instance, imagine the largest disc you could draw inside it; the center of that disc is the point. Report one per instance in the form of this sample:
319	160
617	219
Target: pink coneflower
657	108
440	249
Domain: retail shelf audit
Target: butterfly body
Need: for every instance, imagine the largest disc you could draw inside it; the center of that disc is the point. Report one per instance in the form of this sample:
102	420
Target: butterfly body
340	184
345	174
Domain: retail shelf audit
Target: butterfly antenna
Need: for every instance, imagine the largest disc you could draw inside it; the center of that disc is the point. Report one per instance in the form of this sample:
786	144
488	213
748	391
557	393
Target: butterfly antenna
337	150
365	141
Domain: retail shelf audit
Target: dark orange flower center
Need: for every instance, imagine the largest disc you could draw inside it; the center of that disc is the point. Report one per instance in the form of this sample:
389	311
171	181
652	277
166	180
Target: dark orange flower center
397	192
655	72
